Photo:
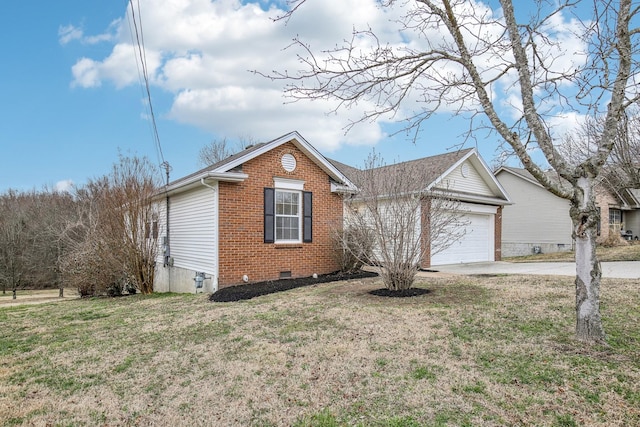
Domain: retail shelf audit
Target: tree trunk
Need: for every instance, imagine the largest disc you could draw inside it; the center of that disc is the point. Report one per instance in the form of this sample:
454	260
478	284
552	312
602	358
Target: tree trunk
585	217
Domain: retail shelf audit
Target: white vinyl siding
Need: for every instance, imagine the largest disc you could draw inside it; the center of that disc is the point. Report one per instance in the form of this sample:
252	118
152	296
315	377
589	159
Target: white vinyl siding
536	218
473	183
409	211
193	230
160	208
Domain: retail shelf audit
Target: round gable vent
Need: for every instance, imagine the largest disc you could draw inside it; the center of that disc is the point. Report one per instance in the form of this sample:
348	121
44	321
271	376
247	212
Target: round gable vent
288	162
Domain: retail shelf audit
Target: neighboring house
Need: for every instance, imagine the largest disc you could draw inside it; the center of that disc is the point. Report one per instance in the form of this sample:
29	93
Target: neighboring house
462	175
262	214
539	221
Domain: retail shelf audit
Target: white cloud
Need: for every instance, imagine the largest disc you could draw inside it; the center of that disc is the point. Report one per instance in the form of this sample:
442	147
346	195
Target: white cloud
202	51
86	73
64	186
68	33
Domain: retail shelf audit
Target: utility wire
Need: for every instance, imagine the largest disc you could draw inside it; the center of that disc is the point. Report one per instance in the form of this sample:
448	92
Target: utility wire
139	40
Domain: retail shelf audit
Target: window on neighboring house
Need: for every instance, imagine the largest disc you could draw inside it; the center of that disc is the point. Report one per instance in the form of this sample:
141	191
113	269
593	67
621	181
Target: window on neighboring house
615	218
598	224
287	216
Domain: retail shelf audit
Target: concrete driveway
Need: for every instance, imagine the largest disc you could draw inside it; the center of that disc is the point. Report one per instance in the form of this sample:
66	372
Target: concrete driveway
619	269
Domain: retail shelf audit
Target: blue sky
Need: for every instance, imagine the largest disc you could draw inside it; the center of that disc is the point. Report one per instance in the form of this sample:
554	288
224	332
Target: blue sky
73	99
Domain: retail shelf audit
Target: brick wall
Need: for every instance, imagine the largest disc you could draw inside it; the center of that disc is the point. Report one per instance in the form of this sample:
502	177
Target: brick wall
425	226
241	225
605	200
497	248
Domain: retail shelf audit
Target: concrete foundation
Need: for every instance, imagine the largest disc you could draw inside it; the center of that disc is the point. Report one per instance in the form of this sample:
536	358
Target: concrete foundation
180	280
521	249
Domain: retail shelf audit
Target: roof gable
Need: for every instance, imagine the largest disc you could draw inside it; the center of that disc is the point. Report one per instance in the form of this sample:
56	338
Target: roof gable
443	173
471	179
229	169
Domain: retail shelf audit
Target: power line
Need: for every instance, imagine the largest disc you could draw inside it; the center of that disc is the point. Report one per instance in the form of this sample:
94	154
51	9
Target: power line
139	40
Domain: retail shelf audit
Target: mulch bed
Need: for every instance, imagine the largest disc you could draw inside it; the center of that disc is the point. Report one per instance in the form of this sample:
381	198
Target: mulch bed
403	293
251	290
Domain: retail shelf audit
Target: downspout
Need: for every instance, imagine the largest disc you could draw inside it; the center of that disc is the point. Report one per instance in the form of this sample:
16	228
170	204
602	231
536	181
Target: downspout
167	250
217	273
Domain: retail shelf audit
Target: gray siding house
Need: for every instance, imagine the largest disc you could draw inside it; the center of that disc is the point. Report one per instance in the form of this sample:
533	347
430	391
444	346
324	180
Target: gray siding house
539	221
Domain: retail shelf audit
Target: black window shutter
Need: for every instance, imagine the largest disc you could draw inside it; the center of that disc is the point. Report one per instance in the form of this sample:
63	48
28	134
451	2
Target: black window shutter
307	210
269	215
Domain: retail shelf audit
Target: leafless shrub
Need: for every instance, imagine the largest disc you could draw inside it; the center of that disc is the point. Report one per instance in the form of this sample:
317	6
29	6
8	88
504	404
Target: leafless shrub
613	238
115	242
352	247
406	220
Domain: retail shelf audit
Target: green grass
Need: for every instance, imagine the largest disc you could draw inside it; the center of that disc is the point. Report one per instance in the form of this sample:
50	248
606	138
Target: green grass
472	352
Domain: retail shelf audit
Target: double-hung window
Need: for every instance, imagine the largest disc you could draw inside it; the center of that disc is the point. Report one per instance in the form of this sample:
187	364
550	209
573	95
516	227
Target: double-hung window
615	218
287	214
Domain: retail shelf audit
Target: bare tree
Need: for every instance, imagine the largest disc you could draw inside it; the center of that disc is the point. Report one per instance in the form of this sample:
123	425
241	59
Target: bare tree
114	244
216	151
463	55
31	224
14	241
622	168
396	221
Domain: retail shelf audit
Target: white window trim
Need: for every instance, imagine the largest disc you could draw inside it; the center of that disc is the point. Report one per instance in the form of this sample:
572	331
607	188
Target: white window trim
288	184
276	215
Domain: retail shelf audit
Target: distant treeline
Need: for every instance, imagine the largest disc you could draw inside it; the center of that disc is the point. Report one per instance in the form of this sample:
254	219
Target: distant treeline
93	238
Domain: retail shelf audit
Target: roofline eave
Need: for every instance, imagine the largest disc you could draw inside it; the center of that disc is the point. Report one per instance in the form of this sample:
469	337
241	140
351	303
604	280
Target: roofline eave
196	181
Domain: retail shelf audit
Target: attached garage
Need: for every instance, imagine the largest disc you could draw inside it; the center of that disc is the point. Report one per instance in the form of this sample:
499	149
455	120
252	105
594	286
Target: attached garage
464	177
476	244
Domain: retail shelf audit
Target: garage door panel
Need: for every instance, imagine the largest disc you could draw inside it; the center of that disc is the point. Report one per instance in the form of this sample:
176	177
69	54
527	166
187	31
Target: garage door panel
476	245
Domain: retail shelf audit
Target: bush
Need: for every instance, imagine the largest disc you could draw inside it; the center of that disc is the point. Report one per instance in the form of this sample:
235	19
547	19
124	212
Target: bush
115	289
614	239
352	248
86	289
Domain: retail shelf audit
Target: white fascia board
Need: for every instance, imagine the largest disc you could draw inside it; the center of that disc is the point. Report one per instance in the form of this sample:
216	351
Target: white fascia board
473	198
195	181
474	208
343	189
304	146
482	168
517	175
288	184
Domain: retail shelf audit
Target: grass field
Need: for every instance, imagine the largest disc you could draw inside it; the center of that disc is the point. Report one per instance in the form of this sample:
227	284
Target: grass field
472	352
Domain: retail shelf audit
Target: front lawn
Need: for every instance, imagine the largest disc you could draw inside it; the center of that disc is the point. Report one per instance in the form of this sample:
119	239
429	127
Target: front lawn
472	351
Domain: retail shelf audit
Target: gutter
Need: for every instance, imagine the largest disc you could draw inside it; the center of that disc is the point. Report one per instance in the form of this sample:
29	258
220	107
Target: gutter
197	180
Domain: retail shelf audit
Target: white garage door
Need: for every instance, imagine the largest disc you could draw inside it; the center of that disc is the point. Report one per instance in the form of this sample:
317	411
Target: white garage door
475	246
